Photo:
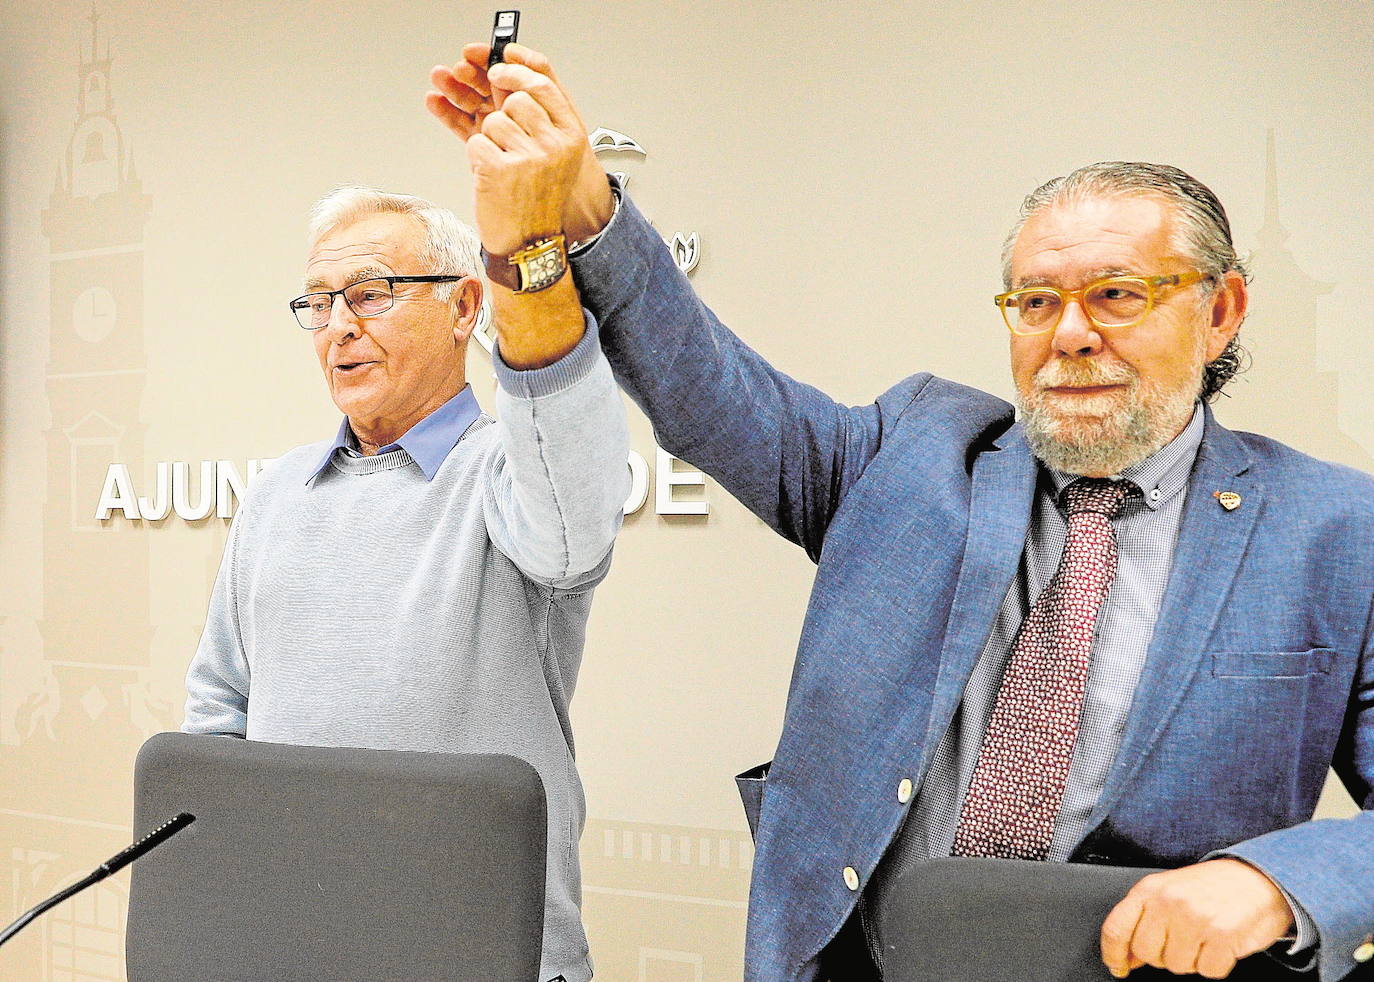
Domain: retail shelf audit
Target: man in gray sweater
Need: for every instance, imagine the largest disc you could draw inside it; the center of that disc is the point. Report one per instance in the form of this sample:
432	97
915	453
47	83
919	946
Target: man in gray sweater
422	581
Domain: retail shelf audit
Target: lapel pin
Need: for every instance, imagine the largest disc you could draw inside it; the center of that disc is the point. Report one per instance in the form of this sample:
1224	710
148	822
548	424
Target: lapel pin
1229	499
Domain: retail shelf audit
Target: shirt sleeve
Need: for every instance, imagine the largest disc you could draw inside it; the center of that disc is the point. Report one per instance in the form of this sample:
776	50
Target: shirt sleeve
556	492
1307	928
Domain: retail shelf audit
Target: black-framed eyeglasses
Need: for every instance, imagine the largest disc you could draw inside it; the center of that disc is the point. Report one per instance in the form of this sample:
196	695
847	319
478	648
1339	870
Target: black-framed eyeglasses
366	298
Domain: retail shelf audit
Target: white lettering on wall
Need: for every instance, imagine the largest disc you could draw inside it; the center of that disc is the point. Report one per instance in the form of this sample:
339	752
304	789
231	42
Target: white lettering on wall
161	504
639	483
230	487
218	488
668	478
118	493
181	491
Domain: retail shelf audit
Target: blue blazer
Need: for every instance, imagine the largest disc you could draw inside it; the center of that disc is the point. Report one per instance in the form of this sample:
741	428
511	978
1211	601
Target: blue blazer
915	508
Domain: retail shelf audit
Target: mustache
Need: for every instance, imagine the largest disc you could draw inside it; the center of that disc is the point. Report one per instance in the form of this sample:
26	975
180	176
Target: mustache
1085	373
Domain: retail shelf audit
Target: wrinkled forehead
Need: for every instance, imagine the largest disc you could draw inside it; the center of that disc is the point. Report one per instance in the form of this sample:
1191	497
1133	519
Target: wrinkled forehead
376	245
1079	239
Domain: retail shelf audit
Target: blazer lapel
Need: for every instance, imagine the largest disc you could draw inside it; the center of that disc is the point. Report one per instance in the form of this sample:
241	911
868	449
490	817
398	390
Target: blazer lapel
1211	542
1003	486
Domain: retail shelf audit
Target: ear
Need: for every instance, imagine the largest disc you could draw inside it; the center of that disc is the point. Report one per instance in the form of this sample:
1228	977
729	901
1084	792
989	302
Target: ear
1229	304
465	302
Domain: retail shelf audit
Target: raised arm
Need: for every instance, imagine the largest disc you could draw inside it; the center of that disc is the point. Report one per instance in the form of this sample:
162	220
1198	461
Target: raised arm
785	449
555	493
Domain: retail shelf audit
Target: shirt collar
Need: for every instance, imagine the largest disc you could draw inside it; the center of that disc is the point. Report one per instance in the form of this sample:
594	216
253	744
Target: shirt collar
428	442
1164	473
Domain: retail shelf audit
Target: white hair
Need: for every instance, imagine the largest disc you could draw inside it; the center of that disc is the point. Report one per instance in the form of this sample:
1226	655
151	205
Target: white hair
1204	233
450	247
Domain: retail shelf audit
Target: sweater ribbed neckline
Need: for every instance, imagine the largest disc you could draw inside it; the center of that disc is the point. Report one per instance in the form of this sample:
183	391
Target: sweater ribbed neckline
391	460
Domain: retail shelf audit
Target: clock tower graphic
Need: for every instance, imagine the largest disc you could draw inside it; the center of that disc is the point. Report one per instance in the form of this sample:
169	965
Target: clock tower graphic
79	734
96	626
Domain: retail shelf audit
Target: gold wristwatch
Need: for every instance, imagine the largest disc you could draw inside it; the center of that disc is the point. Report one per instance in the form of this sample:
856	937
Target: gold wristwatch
537	266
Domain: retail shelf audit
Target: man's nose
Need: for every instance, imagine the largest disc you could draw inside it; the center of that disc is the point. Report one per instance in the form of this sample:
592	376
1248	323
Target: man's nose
343	323
1075	334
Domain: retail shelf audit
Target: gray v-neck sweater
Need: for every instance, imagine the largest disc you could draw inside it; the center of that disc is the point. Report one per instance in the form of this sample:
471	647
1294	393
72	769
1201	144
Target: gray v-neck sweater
369	607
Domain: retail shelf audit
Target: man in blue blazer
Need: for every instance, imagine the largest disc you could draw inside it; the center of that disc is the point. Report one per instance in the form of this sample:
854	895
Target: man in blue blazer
1102	629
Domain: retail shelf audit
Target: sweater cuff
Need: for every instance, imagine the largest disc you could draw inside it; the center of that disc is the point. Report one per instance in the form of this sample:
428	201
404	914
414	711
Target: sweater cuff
566	372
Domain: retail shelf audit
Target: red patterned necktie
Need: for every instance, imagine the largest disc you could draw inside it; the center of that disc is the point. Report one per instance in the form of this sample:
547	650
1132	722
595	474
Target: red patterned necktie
1017	786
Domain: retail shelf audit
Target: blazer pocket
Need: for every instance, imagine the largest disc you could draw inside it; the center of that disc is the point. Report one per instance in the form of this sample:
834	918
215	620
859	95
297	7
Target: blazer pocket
751	784
1272	664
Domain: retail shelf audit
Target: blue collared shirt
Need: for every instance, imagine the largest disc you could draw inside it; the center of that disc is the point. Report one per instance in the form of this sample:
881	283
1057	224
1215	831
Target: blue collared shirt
428	442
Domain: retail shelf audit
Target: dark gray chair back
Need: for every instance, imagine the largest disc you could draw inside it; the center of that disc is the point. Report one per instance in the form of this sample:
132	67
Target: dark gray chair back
992	920
309	864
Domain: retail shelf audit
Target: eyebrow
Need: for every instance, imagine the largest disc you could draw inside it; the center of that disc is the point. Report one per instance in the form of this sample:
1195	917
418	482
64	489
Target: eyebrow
1102	272
315	284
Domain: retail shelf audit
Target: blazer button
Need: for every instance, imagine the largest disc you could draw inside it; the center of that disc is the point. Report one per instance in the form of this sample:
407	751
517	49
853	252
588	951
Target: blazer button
904	791
1364	952
851	878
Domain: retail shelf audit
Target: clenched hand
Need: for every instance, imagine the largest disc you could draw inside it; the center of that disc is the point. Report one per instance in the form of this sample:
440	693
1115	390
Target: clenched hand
534	173
1196	919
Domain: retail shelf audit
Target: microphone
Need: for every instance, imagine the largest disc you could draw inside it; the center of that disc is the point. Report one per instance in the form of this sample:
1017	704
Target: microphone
115	863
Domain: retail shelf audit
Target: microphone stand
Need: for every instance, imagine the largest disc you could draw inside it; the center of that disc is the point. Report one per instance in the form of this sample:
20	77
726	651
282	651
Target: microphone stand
115	863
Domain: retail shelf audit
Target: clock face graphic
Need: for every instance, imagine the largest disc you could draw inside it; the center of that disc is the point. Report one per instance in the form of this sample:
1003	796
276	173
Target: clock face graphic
94	314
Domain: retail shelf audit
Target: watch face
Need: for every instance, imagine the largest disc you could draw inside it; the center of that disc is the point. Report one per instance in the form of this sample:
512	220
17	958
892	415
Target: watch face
544	269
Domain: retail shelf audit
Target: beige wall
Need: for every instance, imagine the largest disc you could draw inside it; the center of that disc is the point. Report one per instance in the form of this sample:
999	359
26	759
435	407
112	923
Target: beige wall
850	170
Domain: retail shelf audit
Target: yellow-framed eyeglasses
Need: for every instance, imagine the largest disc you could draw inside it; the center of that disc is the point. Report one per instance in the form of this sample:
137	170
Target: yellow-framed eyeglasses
1115	301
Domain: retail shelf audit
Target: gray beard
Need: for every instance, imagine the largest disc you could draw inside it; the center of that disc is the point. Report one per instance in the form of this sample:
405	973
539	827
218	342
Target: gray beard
1109	445
1131	440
